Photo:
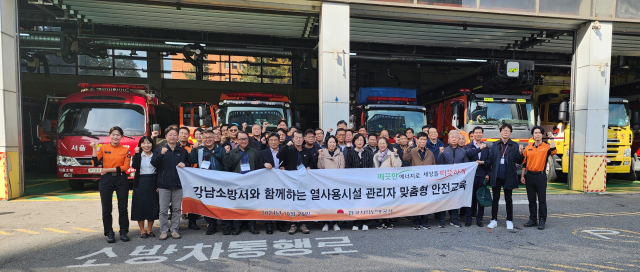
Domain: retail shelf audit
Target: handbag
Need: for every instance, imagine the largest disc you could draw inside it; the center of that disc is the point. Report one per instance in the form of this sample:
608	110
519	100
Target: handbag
484	195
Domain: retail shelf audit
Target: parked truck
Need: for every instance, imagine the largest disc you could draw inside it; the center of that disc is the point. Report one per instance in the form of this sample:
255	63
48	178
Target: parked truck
391	109
468	110
254	108
89	115
551	95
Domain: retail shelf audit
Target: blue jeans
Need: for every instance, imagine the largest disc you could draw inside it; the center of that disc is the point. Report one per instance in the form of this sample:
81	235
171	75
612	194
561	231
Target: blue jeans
442	215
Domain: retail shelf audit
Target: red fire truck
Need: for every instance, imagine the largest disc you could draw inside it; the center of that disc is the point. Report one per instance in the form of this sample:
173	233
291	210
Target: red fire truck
88	115
254	108
197	115
467	110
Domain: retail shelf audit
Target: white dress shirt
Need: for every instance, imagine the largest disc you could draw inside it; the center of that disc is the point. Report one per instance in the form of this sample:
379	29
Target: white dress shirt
145	165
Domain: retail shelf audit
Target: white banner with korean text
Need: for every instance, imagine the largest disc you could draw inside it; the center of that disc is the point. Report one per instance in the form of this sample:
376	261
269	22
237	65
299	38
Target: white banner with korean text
327	195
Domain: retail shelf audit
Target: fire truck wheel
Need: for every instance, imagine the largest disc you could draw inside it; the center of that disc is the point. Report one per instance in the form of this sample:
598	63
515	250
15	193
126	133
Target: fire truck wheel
631	176
551	170
76	184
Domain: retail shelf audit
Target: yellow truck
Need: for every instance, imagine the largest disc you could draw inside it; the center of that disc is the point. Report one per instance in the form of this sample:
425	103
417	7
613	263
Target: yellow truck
551	95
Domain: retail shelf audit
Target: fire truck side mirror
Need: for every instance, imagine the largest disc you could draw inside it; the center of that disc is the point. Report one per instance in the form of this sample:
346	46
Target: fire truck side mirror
155	127
202	112
455	119
46	126
635	120
562	111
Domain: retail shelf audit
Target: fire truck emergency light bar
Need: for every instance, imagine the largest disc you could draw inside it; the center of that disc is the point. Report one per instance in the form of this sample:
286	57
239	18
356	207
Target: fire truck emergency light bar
392	99
259	95
112	86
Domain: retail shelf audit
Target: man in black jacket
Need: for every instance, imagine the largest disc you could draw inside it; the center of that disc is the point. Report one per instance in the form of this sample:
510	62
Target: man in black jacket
268	159
477	151
294	157
403	145
165	159
309	143
372	143
257	140
504	156
241	160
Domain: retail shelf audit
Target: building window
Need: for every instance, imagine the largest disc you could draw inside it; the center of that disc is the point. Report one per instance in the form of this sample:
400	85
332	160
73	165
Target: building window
235	79
234	66
226	79
226	66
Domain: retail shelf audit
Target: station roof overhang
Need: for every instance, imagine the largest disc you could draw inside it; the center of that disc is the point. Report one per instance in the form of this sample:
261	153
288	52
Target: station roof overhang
371	22
443	27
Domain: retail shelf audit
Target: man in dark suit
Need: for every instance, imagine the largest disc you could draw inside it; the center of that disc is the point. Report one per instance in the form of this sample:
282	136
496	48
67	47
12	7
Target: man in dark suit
477	151
268	158
241	160
295	157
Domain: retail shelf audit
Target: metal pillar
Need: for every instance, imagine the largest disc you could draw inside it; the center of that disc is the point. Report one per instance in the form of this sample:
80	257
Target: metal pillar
590	107
11	181
333	64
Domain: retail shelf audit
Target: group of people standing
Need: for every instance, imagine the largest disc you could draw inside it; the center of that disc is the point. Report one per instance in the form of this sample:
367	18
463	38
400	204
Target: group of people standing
158	190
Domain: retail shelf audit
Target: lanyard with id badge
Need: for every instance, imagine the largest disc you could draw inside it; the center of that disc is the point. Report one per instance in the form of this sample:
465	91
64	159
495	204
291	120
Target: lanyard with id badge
300	164
245	167
205	165
503	152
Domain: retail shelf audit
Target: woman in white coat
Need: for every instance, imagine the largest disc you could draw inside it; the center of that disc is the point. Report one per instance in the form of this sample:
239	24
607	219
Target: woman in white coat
386	158
330	158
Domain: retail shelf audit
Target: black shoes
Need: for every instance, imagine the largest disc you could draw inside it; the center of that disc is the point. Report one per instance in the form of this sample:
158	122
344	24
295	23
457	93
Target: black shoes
144	235
124	237
530	223
111	237
253	230
226	232
193	226
468	223
269	231
541	224
480	224
236	232
211	231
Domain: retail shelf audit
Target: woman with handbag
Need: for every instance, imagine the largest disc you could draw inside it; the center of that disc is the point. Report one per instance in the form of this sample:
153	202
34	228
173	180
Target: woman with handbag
386	158
145	204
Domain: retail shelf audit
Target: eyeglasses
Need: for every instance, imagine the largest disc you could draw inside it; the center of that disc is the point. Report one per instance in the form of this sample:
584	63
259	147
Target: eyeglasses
243	139
207	137
233	130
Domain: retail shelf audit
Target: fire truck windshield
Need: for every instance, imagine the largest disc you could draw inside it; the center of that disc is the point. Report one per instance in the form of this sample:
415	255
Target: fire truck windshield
618	115
251	115
501	111
96	119
394	121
